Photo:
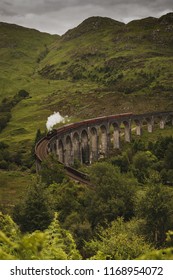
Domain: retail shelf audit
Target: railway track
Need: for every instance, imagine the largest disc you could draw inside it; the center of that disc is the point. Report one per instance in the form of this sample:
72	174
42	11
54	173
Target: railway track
77	178
41	149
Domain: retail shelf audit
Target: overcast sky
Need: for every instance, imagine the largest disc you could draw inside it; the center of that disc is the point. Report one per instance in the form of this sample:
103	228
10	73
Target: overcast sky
57	16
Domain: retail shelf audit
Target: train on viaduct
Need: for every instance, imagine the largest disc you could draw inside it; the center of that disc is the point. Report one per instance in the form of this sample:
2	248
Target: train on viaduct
89	140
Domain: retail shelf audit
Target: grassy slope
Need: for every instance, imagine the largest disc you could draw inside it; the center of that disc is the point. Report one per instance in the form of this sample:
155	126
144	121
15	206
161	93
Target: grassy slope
131	65
20	49
132	58
100	67
13	185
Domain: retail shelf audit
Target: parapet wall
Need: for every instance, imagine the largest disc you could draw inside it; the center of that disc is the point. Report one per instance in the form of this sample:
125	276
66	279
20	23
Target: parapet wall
88	141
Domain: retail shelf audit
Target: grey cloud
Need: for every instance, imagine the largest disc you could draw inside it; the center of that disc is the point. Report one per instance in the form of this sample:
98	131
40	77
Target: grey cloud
57	16
6	12
44	6
6	9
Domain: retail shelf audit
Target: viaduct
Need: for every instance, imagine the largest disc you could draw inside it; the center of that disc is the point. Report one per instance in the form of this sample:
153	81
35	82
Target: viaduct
89	140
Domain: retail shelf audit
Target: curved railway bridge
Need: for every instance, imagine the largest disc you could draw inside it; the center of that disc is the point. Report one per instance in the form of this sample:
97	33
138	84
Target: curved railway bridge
89	140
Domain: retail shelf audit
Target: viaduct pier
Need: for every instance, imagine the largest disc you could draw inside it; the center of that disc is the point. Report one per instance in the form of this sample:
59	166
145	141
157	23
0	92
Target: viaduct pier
89	140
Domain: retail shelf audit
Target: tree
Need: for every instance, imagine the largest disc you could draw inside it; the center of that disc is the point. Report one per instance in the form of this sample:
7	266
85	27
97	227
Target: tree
34	213
39	135
119	241
69	200
160	146
142	162
52	171
138	145
121	161
168	160
113	194
161	254
156	207
65	198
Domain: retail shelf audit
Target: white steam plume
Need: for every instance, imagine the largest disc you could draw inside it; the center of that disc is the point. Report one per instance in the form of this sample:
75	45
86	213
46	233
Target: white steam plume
54	119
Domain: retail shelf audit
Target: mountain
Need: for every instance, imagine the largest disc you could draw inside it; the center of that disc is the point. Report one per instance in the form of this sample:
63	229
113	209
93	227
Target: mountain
126	58
100	67
92	25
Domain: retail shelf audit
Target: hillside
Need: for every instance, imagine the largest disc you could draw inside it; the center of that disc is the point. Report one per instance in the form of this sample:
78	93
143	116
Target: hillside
21	49
100	67
129	59
131	63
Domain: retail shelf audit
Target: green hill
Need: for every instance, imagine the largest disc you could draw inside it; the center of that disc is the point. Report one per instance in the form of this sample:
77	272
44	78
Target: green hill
129	59
131	63
100	67
21	49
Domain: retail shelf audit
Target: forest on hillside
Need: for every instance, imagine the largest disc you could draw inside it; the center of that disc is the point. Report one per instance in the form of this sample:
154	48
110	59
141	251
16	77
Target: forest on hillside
125	213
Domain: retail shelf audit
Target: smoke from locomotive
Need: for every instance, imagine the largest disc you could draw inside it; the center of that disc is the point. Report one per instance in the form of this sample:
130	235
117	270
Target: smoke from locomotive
54	119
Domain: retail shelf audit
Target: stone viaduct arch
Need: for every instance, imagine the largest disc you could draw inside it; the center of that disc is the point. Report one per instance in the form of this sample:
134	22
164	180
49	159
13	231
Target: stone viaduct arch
88	141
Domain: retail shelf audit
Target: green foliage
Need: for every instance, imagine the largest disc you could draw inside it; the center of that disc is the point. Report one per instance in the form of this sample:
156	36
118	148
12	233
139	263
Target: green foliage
163	149
70	200
8	226
9	233
65	198
156	207
38	136
7	158
4	119
76	164
122	161
114	193
54	243
7	105
160	147
34	212
162	254
118	242
168	160
60	240
3	164
23	93
43	54
143	162
3	145
138	145
52	171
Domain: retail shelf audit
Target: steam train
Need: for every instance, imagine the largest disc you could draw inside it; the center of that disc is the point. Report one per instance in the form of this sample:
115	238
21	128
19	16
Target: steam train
88	122
51	133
